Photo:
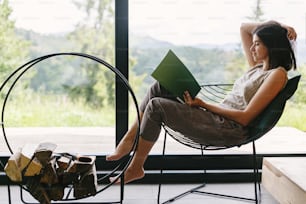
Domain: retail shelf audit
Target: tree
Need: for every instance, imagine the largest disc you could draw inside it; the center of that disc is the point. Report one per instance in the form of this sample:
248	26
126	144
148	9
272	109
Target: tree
13	49
95	35
236	66
238	63
257	12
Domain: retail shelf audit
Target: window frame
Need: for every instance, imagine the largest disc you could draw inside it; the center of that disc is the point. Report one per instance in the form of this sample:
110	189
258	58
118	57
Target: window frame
182	168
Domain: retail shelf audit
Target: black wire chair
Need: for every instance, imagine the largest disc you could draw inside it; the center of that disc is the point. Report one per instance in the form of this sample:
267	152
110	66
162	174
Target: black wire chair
119	168
259	127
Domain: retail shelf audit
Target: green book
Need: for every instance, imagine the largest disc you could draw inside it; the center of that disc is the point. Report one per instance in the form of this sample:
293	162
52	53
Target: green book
175	77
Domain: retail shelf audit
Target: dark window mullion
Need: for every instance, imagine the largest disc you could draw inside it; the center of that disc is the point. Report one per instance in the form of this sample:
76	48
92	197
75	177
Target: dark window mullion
122	59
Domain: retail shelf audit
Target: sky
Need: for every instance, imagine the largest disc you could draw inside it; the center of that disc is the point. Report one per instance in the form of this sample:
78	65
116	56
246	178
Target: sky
45	16
177	21
207	21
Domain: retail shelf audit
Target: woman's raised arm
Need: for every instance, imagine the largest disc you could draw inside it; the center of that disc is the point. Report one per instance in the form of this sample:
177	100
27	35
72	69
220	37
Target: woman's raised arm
246	30
246	33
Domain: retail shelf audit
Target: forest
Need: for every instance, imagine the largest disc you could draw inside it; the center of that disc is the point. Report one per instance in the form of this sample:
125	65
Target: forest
69	91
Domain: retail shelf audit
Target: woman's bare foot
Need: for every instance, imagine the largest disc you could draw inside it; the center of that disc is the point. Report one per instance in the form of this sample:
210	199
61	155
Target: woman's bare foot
126	143
130	175
123	149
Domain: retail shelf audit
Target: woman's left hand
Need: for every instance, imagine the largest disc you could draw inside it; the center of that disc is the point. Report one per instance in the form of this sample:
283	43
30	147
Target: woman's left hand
196	102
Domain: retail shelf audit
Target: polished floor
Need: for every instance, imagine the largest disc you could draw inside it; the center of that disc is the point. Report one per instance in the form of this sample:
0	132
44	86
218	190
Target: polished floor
147	194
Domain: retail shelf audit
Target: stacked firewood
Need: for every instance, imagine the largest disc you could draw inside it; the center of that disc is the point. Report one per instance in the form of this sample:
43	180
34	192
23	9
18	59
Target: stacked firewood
46	174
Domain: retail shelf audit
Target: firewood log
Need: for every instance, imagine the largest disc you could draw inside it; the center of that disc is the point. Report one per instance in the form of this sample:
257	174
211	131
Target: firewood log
12	167
44	151
48	174
87	185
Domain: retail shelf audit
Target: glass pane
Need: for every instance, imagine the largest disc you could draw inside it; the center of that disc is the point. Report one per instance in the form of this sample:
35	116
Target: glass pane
67	100
205	35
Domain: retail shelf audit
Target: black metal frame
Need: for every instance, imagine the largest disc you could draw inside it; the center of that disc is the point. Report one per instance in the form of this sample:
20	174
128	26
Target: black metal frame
196	190
122	63
259	127
122	164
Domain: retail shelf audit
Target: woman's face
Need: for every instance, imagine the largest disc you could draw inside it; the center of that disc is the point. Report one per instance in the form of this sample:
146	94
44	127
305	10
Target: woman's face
259	50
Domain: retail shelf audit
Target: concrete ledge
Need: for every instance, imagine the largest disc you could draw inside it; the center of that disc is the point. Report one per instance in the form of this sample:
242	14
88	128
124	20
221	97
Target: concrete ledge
285	179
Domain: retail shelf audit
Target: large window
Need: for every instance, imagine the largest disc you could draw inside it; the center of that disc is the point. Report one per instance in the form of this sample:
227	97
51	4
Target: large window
205	35
64	92
74	100
67	100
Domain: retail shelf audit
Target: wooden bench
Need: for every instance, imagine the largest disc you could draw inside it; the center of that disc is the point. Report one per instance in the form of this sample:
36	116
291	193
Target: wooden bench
285	179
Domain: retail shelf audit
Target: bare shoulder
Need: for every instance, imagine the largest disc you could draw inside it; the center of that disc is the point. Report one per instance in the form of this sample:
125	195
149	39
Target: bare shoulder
278	77
276	80
281	70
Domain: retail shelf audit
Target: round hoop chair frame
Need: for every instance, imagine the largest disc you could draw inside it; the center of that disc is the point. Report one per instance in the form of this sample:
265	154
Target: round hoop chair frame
124	163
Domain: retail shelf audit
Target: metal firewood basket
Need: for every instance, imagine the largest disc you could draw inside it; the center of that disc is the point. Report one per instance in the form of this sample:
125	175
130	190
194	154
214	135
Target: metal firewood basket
120	166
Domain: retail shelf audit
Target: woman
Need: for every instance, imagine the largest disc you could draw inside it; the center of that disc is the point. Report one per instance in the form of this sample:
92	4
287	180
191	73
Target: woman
269	54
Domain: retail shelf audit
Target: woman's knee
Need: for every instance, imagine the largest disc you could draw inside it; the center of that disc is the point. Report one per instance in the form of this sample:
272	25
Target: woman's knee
154	105
159	107
154	90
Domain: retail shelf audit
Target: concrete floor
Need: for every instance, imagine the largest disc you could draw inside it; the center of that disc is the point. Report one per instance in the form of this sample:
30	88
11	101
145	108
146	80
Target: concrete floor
147	194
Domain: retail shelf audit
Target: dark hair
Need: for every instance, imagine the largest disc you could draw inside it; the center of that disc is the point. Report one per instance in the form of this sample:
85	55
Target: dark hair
274	37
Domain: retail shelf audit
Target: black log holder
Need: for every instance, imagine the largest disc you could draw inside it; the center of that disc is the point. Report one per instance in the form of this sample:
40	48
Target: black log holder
120	166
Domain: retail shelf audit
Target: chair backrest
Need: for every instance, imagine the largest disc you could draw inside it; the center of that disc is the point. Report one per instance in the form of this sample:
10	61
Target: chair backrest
272	113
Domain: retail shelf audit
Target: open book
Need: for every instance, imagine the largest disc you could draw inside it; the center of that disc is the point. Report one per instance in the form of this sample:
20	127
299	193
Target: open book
175	77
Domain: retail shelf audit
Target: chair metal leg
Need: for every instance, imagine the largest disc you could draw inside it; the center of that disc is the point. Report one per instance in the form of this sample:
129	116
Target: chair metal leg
196	190
161	168
257	189
193	190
